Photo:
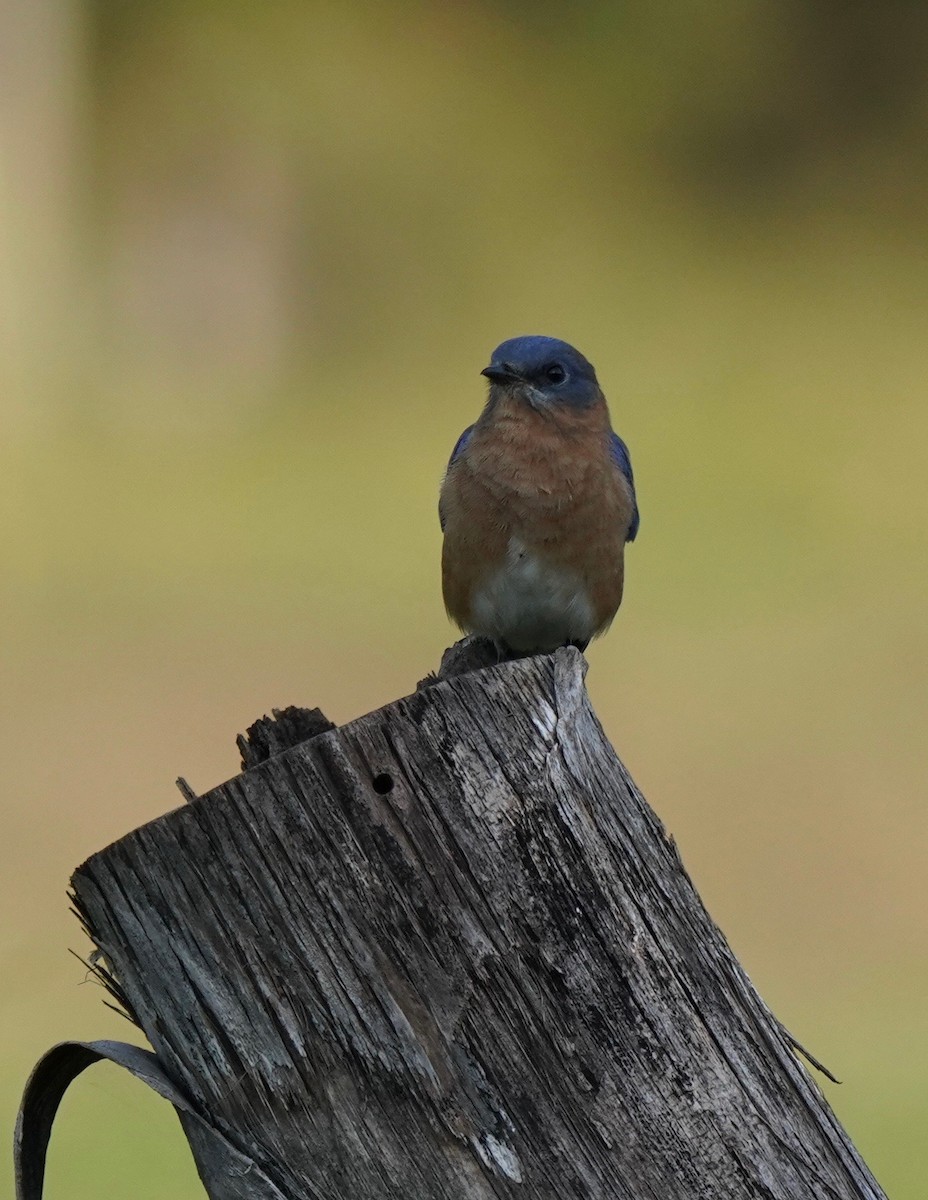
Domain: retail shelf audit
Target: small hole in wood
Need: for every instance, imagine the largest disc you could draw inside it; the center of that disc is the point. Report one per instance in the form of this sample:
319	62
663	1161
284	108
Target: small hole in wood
383	783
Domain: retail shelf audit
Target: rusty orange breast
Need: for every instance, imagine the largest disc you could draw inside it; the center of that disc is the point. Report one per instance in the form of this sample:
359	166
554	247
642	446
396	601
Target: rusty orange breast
542	485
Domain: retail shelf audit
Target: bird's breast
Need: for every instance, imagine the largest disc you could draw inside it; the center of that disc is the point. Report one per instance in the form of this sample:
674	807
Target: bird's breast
535	526
531	603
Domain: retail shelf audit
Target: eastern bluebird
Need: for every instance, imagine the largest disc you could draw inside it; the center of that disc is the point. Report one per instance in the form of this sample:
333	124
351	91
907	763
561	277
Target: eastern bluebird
537	504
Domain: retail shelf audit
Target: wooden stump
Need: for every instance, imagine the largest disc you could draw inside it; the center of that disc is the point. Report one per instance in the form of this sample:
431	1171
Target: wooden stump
448	951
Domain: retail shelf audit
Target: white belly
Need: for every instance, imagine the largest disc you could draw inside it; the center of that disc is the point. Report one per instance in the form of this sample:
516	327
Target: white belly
530	605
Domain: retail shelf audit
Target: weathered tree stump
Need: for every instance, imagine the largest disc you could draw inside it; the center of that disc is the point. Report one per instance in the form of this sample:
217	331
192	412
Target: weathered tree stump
445	951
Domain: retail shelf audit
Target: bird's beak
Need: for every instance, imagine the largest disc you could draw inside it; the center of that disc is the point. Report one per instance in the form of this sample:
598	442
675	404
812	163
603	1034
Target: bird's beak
501	374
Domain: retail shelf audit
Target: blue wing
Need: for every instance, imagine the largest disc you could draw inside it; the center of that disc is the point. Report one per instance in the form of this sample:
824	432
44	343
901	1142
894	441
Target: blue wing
622	460
455	453
460	443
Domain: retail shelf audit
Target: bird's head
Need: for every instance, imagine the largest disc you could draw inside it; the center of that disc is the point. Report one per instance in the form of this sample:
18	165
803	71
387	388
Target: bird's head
543	371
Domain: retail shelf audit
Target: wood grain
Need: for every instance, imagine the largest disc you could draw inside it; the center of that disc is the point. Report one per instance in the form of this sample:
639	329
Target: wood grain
448	951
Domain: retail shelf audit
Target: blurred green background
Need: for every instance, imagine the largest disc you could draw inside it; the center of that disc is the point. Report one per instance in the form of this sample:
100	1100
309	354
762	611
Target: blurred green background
252	258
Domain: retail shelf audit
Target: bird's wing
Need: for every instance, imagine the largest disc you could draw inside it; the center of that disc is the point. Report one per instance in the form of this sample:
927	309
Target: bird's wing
620	457
460	443
455	454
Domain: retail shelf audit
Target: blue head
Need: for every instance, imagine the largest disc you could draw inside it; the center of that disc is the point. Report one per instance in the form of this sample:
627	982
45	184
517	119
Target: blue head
545	371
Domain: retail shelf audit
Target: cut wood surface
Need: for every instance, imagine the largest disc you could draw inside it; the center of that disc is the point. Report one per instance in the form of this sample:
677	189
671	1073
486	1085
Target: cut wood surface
448	951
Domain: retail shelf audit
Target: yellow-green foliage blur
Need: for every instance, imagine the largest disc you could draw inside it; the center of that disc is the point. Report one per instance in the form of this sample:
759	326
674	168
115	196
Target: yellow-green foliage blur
252	259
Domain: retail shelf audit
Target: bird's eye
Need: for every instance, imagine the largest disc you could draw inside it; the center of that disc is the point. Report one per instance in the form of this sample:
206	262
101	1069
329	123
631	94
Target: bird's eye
555	373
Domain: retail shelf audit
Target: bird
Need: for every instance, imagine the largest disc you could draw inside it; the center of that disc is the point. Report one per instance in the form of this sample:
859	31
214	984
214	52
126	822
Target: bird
537	504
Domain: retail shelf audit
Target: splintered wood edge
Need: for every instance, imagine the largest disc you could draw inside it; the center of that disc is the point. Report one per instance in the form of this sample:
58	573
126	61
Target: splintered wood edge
286	728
